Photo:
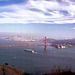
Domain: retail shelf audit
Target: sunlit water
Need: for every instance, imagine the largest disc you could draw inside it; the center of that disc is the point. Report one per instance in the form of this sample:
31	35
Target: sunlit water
37	63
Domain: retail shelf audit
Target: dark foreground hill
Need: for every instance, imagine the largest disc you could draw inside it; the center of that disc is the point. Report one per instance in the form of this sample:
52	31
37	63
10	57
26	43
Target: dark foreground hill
61	72
10	70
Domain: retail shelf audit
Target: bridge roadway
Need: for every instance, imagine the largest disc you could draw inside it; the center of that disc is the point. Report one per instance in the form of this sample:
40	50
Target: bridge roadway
27	45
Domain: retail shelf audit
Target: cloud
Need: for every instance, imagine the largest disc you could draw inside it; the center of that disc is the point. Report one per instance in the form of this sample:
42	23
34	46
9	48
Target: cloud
39	11
73	28
72	0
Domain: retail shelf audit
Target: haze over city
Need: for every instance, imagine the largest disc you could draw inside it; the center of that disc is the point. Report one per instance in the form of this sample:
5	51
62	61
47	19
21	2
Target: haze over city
52	18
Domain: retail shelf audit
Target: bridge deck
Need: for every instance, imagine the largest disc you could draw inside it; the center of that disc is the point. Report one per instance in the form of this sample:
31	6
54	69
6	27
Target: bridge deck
25	45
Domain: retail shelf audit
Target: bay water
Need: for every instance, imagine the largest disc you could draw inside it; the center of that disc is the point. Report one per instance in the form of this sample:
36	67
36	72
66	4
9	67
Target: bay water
39	62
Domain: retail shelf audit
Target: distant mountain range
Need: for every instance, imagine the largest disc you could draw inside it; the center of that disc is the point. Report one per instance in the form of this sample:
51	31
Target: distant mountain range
58	41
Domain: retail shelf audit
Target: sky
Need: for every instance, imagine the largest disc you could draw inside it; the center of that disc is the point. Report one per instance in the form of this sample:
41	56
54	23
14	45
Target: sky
52	18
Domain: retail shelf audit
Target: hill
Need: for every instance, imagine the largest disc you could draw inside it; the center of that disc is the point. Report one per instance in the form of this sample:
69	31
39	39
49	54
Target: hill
10	70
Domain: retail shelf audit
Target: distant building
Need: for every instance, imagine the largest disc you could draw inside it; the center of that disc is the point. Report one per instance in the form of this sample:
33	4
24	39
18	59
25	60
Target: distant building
63	47
60	46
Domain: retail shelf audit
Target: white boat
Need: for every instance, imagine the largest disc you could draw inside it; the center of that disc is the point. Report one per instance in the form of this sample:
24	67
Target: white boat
29	50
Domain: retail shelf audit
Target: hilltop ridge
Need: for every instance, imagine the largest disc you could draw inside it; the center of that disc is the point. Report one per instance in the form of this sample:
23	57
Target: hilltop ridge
10	70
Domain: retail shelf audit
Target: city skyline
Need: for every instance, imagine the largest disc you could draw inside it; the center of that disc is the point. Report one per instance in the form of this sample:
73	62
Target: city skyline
52	18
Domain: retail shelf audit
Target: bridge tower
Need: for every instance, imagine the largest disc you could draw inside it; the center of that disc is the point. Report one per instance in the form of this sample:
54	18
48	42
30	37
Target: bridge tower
45	43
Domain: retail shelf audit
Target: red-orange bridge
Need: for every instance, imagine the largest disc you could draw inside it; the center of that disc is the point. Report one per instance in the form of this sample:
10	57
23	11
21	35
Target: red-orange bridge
45	45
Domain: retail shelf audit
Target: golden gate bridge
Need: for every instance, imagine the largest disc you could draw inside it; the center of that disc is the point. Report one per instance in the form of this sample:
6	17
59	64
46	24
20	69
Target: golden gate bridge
45	45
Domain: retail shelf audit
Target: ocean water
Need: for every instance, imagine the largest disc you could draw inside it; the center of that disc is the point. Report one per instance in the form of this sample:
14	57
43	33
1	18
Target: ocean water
37	63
